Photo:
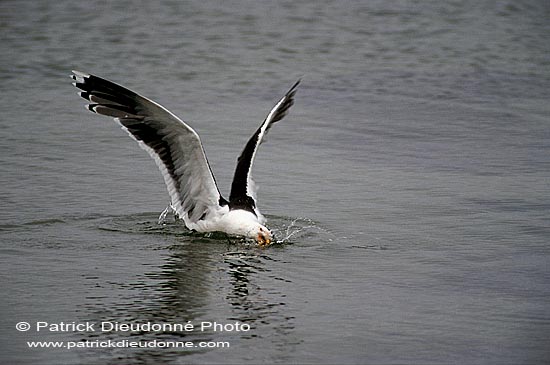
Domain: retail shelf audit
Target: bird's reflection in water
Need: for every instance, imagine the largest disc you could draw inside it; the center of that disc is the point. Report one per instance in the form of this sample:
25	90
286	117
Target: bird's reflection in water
202	279
257	297
176	292
249	301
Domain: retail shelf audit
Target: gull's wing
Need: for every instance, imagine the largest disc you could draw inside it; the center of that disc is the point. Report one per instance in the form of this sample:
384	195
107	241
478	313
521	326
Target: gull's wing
243	195
175	147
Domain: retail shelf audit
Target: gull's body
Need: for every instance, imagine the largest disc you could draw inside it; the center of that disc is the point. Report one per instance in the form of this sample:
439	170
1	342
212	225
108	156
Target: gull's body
179	154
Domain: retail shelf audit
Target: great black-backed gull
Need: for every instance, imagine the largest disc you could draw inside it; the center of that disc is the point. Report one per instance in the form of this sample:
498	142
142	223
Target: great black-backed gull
179	154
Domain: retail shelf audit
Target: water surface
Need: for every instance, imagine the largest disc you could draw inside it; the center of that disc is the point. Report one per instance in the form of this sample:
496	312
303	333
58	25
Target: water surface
409	184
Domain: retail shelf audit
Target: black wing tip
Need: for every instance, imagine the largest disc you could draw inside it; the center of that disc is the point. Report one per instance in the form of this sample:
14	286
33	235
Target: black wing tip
285	103
291	92
294	87
106	94
80	74
81	81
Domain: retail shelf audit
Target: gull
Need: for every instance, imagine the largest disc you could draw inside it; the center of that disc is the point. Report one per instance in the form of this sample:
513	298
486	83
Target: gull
179	154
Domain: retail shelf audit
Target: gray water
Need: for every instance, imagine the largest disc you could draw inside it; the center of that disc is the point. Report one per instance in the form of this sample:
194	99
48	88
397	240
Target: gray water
409	186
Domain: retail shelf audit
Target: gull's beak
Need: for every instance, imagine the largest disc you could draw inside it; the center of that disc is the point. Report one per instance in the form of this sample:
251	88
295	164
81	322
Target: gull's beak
263	240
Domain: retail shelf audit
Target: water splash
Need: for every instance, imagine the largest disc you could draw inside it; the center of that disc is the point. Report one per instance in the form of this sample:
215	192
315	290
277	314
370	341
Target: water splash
163	217
298	228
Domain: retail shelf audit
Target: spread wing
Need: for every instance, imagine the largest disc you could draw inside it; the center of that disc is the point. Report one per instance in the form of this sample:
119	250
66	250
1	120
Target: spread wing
243	195
175	147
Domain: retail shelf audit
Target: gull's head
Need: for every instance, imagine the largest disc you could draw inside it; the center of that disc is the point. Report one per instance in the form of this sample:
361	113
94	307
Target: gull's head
241	222
262	235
